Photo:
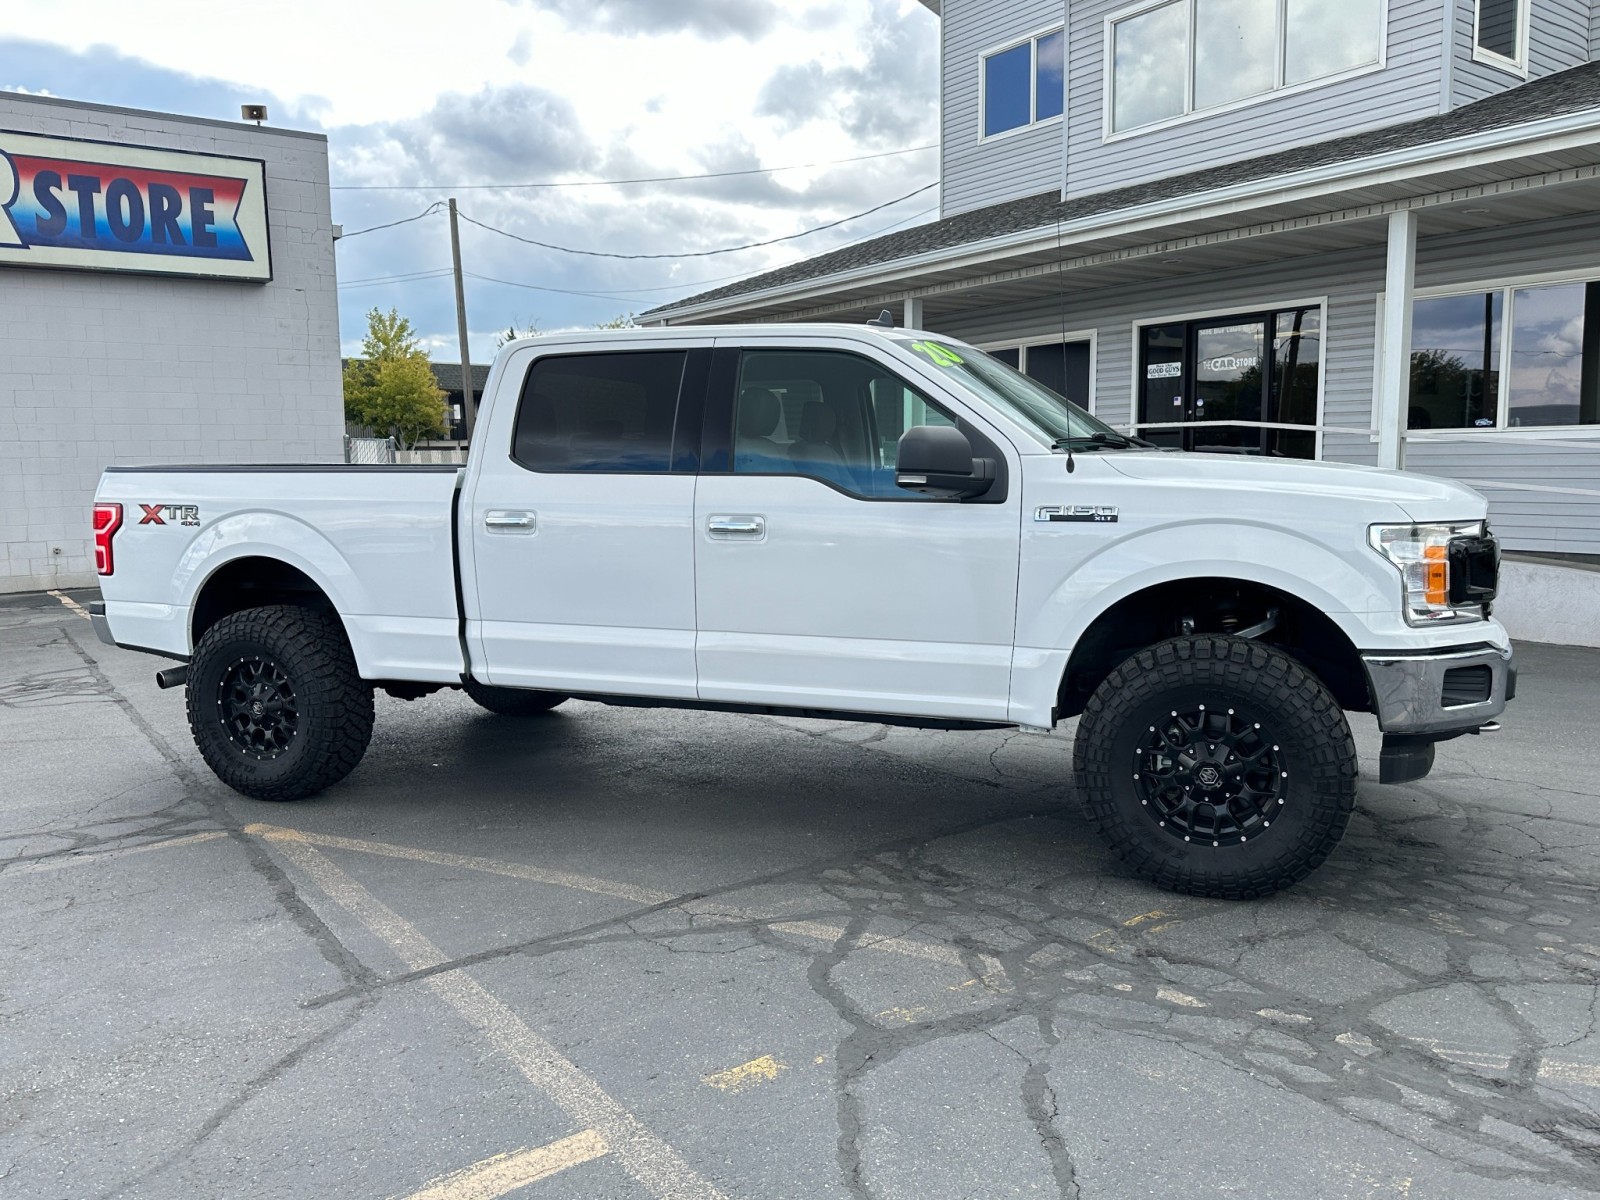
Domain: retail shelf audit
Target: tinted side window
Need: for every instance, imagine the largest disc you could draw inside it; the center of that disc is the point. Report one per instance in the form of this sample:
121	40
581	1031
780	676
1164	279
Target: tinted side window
600	412
828	415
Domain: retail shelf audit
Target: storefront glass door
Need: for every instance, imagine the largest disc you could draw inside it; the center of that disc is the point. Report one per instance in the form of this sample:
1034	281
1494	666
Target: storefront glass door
1246	384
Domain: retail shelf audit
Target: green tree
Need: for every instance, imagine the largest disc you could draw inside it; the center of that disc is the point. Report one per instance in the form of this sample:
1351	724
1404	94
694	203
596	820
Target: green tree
512	333
390	389
624	321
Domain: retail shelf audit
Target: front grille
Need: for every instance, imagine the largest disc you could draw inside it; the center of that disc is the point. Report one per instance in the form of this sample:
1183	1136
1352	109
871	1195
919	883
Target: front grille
1474	570
1467	685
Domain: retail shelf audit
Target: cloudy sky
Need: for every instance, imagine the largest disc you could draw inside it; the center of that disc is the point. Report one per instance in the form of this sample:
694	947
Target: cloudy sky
424	100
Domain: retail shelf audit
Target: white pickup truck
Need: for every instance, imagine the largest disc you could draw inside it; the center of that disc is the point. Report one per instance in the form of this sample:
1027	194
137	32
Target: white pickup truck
835	520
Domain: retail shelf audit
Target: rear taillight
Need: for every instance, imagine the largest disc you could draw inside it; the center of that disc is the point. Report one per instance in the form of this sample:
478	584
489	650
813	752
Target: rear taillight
107	520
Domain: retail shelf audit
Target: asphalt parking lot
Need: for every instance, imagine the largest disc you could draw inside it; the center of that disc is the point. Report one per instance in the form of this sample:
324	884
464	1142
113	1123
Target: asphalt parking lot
618	953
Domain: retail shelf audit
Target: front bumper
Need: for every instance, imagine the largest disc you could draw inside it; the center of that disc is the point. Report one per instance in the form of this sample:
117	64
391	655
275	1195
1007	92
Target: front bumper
1437	691
1430	696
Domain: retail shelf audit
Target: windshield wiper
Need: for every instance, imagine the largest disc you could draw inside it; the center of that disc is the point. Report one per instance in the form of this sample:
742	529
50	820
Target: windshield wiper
1098	441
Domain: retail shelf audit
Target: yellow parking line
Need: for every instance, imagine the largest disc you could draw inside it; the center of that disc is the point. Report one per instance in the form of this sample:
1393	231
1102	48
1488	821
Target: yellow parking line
645	1156
735	1079
70	604
100	856
494	1177
471	862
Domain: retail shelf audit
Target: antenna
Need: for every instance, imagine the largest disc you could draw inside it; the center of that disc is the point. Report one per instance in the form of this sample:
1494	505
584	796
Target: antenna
884	320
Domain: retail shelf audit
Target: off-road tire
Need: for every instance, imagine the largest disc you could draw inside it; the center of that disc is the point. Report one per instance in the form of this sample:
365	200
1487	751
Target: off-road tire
1306	735
512	702
331	703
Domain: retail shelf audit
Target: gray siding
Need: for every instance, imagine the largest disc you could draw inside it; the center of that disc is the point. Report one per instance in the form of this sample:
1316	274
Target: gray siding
1351	282
975	173
1560	34
1408	87
1594	31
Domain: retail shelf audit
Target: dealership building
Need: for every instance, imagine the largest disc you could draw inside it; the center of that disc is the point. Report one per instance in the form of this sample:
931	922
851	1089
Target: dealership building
167	294
1363	233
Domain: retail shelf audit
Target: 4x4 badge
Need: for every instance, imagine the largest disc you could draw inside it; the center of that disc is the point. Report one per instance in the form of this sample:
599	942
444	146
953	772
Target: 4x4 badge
1102	513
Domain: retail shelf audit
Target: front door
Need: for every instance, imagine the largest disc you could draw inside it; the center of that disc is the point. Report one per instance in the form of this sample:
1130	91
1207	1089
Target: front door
583	538
1247	384
821	584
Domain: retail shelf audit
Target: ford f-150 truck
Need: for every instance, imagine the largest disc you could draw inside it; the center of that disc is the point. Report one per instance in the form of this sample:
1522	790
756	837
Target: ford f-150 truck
833	519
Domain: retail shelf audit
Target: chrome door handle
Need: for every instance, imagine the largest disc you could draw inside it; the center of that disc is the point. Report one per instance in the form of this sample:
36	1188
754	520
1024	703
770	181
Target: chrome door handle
499	518
740	526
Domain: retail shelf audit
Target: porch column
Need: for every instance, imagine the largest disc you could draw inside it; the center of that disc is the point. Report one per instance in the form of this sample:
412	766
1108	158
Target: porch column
913	313
1394	376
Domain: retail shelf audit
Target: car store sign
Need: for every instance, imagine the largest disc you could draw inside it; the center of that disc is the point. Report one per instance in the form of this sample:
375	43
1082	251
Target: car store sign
97	206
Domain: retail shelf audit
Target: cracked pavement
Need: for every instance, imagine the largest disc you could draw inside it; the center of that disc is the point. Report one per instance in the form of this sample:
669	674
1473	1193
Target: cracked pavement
760	957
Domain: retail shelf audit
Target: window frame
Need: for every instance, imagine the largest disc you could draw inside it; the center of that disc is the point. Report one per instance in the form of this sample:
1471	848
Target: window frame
1279	91
1031	40
1517	65
1508	286
1092	336
722	401
1245	312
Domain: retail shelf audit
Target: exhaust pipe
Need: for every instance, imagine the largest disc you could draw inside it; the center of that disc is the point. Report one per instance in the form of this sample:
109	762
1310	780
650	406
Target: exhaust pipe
173	676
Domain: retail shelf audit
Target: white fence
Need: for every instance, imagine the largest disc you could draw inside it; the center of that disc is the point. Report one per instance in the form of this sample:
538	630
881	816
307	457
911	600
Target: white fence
370	451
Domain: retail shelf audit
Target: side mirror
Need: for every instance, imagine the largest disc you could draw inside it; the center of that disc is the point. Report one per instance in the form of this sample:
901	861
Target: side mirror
936	460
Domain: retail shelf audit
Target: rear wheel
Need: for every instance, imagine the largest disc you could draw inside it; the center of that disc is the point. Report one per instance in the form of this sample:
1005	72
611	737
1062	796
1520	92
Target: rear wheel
512	702
1216	766
276	705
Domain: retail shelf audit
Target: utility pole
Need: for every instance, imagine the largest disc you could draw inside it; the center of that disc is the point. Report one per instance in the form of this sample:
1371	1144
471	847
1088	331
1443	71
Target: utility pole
468	414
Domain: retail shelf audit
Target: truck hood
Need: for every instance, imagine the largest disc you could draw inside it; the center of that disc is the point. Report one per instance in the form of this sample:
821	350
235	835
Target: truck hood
1420	497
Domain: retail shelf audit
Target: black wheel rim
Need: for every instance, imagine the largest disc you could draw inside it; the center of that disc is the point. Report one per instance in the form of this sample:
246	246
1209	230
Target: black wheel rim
1211	776
257	708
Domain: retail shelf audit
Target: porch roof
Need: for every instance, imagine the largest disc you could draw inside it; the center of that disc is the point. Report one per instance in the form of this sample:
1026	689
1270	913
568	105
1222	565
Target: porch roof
1543	132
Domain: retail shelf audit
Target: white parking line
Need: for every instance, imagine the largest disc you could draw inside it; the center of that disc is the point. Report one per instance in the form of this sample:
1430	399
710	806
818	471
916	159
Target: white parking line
645	1156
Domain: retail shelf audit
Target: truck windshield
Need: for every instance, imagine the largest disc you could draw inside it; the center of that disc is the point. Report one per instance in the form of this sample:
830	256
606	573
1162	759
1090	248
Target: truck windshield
1055	419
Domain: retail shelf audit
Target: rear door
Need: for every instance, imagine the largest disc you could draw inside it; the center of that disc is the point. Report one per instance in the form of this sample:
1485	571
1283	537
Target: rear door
819	583
581	520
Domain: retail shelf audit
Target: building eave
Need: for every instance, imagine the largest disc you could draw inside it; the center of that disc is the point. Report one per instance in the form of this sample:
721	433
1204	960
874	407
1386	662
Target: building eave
1420	170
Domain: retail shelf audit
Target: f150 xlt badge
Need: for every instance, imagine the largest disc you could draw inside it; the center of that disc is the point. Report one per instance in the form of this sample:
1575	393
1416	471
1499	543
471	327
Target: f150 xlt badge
1100	513
177	514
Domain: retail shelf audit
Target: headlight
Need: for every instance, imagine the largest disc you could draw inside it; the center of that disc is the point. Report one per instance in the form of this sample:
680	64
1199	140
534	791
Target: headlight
1422	555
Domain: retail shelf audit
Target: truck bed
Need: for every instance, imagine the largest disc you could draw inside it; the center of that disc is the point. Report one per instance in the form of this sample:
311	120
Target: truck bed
377	539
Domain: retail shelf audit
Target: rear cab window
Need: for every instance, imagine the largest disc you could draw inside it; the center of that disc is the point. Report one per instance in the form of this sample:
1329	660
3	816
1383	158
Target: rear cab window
608	412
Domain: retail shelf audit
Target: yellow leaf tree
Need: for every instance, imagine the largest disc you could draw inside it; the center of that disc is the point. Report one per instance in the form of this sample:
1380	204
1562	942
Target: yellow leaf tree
390	389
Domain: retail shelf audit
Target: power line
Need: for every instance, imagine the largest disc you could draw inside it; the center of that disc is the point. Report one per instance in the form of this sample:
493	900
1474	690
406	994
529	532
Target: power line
408	277
427	212
788	237
477	187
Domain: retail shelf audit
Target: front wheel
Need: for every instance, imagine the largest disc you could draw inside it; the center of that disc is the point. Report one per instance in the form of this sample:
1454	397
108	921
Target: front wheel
276	705
1216	766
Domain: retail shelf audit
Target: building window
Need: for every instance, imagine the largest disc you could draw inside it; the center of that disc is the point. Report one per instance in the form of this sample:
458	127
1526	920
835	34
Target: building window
1024	84
1509	358
1500	32
1170	59
1065	366
1246	384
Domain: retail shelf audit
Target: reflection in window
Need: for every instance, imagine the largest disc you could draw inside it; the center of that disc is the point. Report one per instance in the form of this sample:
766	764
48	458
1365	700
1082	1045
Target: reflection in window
1324	39
1234	50
1455	362
1240	49
1547	376
1499	28
1024	84
1297	362
1147	66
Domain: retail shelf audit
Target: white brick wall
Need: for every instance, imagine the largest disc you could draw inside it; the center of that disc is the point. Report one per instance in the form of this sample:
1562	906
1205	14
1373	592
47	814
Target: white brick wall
98	369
